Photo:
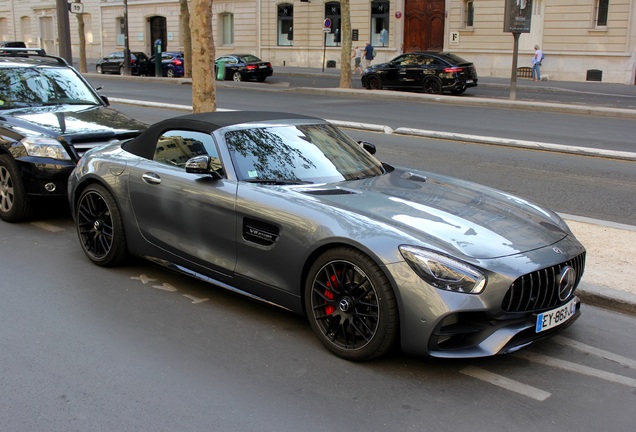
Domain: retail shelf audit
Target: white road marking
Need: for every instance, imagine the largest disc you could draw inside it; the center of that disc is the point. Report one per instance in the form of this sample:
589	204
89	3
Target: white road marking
165	287
143	279
47	226
576	368
506	383
595	351
195	300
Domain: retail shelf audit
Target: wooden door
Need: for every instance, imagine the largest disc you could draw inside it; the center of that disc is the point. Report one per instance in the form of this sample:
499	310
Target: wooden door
424	25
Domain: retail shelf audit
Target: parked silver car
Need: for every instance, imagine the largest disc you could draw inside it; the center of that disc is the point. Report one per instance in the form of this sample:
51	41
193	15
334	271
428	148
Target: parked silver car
288	209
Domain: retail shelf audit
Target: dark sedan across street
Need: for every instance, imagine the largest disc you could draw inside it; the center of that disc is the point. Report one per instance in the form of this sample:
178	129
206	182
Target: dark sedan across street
288	209
425	71
241	67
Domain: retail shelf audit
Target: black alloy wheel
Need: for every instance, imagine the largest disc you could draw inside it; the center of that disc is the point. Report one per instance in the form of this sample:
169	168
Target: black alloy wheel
432	86
15	205
374	82
459	90
351	305
99	227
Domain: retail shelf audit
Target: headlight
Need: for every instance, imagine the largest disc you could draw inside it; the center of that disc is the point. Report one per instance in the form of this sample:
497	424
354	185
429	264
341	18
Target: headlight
444	272
45	147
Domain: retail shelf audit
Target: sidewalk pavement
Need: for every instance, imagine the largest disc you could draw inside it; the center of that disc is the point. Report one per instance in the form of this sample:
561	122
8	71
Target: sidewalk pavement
610	276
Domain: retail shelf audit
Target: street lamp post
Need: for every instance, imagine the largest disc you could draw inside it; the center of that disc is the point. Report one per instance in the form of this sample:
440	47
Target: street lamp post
126	42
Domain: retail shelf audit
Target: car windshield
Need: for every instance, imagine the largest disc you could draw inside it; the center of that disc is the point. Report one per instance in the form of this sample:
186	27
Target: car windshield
38	86
315	153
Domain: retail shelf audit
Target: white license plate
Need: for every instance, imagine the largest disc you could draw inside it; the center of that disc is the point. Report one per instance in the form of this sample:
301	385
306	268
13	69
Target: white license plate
469	81
262	66
556	317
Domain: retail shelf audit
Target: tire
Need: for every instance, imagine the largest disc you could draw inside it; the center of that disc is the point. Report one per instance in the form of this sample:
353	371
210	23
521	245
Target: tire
100	70
121	70
374	82
460	90
236	76
100	227
350	305
261	79
170	73
15	204
432	86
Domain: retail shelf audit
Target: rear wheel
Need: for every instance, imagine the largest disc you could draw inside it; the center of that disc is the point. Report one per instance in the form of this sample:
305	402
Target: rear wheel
99	69
350	305
459	90
374	83
170	73
121	70
100	227
432	86
237	77
15	204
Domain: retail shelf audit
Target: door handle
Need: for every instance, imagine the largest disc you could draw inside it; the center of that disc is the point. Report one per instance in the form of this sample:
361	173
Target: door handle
151	178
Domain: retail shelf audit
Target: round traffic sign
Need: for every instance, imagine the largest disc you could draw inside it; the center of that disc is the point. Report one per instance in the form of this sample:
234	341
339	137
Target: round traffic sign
327	23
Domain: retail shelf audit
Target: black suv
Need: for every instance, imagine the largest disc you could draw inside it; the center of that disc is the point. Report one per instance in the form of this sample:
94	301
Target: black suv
49	117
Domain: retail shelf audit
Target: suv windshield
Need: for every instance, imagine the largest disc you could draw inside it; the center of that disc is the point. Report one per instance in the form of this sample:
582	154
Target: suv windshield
317	153
41	86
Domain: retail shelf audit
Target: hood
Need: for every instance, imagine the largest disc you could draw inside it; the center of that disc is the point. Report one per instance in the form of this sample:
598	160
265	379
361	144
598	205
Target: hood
451	215
73	120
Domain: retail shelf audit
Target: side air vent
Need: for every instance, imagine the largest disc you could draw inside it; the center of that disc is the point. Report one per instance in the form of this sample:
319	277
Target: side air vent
328	192
260	232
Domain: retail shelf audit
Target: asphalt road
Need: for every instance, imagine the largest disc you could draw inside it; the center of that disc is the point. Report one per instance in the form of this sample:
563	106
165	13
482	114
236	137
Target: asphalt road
139	348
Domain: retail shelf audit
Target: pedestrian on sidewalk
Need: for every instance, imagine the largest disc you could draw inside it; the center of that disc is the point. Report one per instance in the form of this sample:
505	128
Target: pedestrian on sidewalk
369	53
357	56
536	63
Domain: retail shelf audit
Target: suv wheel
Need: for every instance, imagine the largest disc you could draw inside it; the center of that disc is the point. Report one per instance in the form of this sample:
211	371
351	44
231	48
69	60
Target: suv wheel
15	205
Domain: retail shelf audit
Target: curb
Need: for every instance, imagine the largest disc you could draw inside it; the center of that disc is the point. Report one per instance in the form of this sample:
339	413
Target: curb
607	298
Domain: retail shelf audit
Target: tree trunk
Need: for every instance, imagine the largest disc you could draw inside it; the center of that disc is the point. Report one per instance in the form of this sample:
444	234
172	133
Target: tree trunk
184	20
82	41
203	86
345	51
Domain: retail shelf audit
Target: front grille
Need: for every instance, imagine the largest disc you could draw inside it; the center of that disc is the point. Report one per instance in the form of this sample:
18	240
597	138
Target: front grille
539	290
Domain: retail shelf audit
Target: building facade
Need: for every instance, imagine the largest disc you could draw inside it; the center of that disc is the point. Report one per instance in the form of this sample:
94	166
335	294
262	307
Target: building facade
577	36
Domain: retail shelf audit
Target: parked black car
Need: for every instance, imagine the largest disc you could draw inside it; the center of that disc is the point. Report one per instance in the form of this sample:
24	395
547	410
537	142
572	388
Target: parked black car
114	63
241	67
49	117
11	44
427	71
171	65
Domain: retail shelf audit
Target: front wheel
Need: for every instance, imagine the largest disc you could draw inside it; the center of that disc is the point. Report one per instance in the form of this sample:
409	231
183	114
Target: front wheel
374	83
121	70
350	305
170	73
99	69
237	77
100	228
432	86
15	204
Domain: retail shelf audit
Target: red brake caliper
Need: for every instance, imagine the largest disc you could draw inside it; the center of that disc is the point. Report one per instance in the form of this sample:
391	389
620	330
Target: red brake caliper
329	309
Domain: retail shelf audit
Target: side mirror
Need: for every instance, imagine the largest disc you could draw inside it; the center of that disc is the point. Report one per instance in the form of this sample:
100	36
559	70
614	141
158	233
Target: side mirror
204	165
105	99
368	146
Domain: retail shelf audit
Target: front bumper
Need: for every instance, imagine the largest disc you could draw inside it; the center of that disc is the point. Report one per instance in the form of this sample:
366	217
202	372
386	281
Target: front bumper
44	177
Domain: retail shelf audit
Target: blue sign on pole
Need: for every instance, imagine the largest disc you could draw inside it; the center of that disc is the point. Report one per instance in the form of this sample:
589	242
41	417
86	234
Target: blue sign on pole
327	23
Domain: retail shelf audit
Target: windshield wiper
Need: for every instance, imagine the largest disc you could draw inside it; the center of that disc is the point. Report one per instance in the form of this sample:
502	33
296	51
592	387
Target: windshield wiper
278	181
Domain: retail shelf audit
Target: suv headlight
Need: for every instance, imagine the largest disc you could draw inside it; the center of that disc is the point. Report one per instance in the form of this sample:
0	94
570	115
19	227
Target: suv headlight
444	272
45	147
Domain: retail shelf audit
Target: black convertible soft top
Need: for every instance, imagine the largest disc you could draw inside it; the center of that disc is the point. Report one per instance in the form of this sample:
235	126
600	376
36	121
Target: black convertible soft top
144	144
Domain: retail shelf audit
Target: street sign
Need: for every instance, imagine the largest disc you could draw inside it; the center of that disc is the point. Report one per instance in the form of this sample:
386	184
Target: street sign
76	8
327	23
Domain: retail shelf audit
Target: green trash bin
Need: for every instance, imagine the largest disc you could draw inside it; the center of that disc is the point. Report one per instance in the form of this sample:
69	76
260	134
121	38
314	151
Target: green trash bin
220	72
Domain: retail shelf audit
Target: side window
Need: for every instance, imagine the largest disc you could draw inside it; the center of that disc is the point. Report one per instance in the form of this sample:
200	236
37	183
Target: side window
175	147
